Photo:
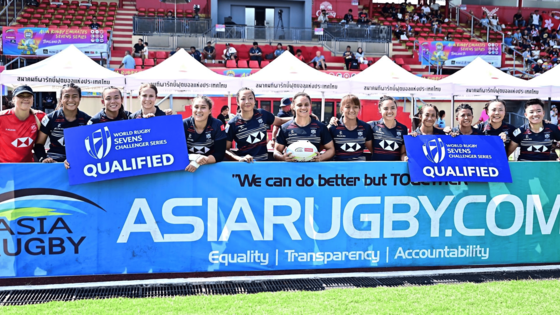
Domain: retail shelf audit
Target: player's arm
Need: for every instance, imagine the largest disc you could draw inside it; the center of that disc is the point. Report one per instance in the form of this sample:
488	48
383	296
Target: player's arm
280	155
511	148
279	121
404	157
369	146
234	157
39	148
327	155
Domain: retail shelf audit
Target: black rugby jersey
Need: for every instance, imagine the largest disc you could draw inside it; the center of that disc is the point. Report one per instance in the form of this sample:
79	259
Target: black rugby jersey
387	143
251	135
101	117
350	144
53	126
138	114
487	130
436	131
535	146
475	131
315	132
203	143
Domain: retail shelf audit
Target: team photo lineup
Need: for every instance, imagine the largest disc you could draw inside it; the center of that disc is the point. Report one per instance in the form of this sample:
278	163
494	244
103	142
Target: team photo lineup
210	140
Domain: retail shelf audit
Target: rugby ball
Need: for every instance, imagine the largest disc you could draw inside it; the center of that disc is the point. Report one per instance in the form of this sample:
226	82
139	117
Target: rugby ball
302	151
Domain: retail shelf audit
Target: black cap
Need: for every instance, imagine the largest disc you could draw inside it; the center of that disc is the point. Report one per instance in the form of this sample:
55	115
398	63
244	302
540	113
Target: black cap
22	89
286	101
227	44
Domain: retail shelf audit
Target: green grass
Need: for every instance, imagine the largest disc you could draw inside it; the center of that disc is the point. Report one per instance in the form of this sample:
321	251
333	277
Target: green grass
514	297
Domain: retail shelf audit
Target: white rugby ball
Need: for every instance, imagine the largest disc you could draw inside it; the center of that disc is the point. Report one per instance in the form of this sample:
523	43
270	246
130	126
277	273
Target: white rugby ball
302	150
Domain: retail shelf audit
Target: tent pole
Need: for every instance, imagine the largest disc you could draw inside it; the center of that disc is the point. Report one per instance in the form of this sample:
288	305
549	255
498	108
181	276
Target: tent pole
124	101
322	106
452	111
130	96
549	106
412	109
229	101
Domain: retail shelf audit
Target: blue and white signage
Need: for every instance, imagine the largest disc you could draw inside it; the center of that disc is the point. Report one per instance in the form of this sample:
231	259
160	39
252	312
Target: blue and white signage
462	158
126	148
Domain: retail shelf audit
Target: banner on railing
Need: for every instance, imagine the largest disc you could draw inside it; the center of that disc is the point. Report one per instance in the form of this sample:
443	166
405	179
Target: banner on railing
26	41
459	54
272	216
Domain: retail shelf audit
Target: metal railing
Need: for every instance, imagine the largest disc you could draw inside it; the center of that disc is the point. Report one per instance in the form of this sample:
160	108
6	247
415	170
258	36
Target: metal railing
251	33
10	11
149	26
354	32
470	17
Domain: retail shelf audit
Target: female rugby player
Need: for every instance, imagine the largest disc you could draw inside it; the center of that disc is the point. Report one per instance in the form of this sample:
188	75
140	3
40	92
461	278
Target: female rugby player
464	115
206	139
53	125
112	100
148	96
428	119
535	138
19	127
249	129
495	125
303	127
388	133
350	135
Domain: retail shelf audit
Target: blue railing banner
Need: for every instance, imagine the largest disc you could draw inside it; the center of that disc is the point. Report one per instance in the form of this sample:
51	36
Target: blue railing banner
444	158
126	148
272	216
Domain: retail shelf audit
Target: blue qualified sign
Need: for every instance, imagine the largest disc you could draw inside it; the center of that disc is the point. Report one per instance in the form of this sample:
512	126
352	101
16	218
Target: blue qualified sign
462	158
126	148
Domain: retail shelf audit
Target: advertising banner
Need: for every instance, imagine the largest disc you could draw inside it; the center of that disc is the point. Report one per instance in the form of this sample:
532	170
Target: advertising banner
272	216
37	41
459	54
126	148
242	73
461	158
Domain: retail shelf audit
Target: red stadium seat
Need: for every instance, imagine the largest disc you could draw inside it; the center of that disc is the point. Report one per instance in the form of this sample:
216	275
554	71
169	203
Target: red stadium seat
63	26
36	16
264	63
242	64
23	21
407	68
363	66
161	55
151	54
253	64
66	23
138	61
74	27
108	24
34	21
45	21
149	63
231	64
77	23
399	61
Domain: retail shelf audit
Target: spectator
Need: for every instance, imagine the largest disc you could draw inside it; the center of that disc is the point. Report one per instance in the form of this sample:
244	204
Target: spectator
434	6
291	50
348	17
426	9
535	36
348	57
386	10
319	61
538	69
128	62
279	50
33	3
416	17
518	19
94	25
169	15
144	53
423	18
255	53
436	28
495	23
554	115
196	54
360	56
362	14
230	53
224	115
138	47
485	21
536	19
209	52
174	51
409	8
517	37
440	124
323	18
49	102
363	21
299	55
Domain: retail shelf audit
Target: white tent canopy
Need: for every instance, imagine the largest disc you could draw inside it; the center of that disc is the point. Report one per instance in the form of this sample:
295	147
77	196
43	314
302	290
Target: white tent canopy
68	66
387	78
288	74
182	73
481	78
549	79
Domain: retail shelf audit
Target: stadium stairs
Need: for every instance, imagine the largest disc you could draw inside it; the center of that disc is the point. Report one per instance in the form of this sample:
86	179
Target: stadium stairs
122	35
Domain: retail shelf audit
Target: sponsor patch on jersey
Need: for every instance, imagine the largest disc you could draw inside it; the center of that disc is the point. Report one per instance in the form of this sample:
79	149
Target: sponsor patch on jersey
516	132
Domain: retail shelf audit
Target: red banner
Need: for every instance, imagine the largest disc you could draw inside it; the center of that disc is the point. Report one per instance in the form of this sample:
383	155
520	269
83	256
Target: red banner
550	22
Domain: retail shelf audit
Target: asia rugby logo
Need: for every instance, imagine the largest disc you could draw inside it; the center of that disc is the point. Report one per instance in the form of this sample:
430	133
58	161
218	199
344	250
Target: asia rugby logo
434	150
100	143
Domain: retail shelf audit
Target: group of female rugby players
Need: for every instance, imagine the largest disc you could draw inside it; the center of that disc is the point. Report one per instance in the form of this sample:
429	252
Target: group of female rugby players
24	131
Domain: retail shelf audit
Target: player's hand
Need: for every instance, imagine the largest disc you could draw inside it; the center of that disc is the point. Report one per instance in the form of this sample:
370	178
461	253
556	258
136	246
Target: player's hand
404	158
191	168
503	136
288	157
203	160
247	158
447	129
150	115
414	134
454	134
49	160
66	164
317	158
334	121
168	111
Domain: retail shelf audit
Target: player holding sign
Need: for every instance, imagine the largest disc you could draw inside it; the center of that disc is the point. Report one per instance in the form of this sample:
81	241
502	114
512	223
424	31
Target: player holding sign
388	133
535	138
464	115
428	118
495	125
